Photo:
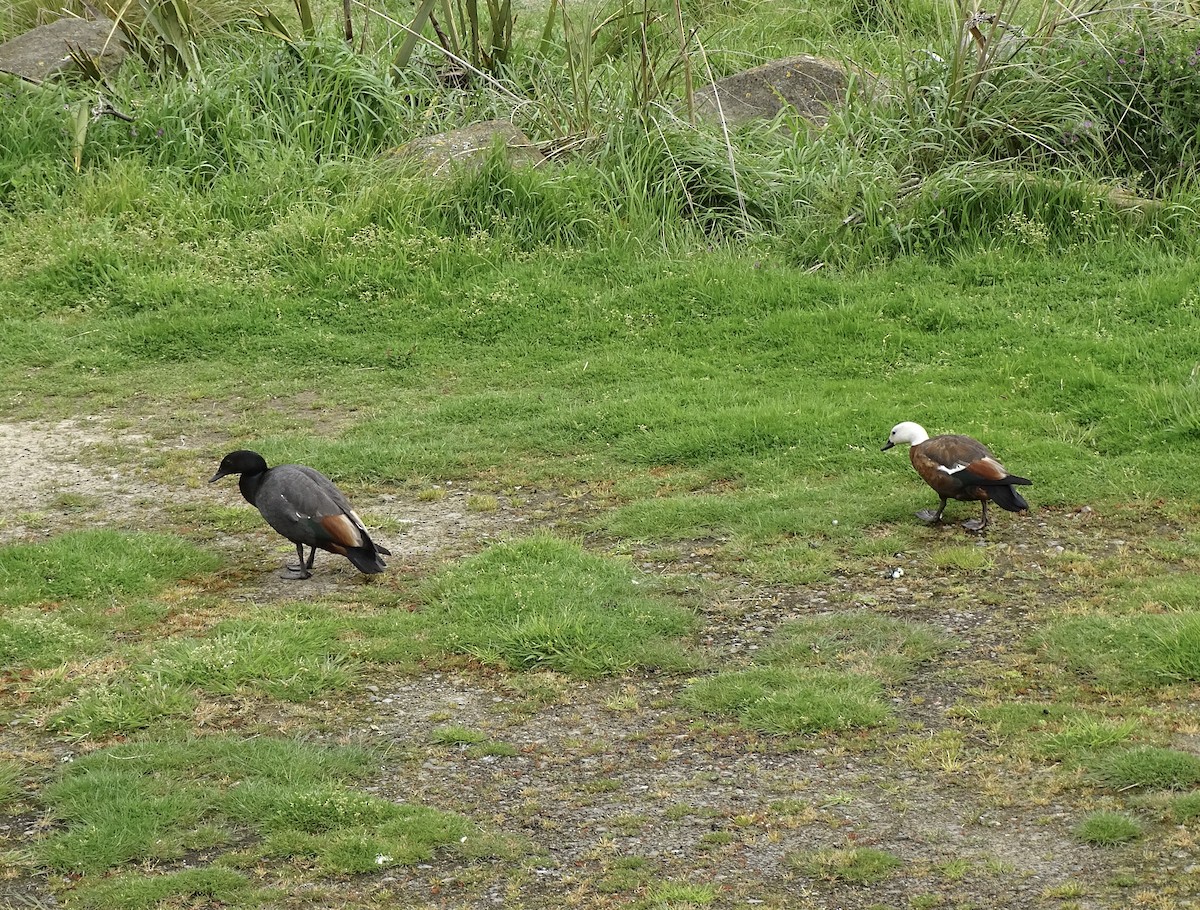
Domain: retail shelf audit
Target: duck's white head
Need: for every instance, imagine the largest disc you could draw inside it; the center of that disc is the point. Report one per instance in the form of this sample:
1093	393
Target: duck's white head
906	433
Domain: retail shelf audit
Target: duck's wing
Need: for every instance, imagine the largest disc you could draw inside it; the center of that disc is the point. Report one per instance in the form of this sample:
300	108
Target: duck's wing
968	461
303	505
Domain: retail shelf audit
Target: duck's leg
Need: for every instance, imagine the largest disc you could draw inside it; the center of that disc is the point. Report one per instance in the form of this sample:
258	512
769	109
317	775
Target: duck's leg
978	524
300	570
933	517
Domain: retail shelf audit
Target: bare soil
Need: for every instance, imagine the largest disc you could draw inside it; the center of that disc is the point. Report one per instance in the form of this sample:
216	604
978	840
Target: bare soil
615	788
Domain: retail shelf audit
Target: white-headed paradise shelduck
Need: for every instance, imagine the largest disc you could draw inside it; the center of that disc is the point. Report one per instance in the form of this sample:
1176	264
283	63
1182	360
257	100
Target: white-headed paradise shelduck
305	507
959	467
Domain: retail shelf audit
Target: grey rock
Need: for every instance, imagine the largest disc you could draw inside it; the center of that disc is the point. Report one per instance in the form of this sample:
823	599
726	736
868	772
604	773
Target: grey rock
806	84
45	52
469	147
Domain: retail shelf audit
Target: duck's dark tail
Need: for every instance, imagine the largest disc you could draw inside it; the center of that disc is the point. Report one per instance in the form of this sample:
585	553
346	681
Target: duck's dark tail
1006	497
367	559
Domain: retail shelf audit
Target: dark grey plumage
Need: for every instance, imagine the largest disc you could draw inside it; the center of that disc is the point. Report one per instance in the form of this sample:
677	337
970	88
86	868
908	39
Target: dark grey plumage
304	506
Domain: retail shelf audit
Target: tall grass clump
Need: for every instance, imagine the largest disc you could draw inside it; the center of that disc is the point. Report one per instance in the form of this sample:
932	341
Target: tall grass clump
990	130
524	206
1142	80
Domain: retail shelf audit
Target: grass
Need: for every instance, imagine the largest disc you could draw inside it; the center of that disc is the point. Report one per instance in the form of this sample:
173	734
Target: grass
122	706
10	783
145	892
890	649
1106	829
856	865
1126	652
545	603
820	674
159	799
291	658
779	700
1150	767
90	565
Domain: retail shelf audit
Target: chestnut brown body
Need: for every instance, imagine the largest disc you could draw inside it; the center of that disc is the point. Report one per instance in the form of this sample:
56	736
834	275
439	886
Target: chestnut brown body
959	467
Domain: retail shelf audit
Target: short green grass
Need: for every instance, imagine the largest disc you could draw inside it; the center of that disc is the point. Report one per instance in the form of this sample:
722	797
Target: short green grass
96	564
891	649
854	865
1106	828
546	603
1129	652
291	657
122	706
10	782
155	800
1149	767
145	892
784	700
819	674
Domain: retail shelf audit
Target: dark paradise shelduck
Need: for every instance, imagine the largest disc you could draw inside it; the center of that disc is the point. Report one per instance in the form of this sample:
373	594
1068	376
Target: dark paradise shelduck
958	467
305	507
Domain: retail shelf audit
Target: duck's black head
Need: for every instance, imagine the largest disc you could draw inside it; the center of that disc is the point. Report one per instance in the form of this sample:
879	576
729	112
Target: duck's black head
242	461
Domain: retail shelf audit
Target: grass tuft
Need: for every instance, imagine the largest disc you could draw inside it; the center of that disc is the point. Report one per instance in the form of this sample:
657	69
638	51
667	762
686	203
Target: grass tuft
88	565
545	603
290	658
122	706
857	642
1128	652
158	799
1081	736
780	700
855	865
133	891
10	783
1106	829
32	638
1149	767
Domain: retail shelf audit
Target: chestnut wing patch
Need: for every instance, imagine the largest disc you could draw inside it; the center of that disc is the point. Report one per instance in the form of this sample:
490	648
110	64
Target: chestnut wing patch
981	471
342	530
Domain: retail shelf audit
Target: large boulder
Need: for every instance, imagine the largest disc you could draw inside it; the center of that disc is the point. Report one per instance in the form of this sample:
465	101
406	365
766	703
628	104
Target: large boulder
45	52
807	85
469	147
